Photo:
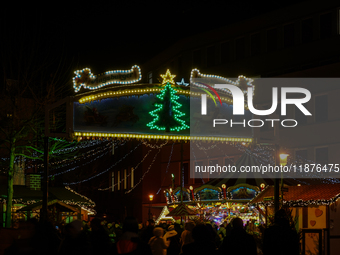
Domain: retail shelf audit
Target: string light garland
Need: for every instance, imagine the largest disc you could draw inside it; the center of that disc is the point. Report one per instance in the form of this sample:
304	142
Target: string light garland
195	73
105	171
133	170
136	167
146	172
162	137
167	168
154	146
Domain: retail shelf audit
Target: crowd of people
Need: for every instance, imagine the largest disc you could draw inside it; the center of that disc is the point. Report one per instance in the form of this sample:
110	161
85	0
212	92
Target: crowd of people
132	238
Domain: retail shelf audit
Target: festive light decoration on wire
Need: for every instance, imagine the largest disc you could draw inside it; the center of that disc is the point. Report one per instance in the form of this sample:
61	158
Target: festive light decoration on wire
146	172
107	151
58	164
133	170
105	171
163	137
195	73
102	152
154	146
193	153
84	78
166	115
167	168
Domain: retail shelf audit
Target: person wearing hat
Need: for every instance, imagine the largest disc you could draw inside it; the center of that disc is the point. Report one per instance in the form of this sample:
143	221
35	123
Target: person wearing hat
281	237
157	243
173	240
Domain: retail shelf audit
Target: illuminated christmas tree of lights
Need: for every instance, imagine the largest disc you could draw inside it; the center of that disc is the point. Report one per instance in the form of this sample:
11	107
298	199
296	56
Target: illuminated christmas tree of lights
167	114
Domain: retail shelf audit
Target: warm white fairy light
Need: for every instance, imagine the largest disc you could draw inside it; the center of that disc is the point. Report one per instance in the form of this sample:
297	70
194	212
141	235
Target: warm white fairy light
145	173
105	171
164	137
193	75
80	81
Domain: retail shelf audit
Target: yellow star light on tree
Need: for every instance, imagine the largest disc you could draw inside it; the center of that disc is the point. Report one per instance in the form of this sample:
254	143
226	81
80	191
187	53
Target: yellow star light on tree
168	77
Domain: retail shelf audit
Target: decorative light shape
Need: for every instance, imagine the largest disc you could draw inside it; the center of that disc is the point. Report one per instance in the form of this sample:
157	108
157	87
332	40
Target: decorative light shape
182	83
151	197
85	78
168	77
195	73
166	115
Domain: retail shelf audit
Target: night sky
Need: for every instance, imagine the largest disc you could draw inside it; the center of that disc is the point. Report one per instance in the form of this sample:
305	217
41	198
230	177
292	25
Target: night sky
117	35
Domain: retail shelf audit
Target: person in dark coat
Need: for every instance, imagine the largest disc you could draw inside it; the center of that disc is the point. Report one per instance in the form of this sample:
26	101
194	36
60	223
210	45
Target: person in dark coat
130	243
174	241
99	238
280	238
239	241
203	242
147	232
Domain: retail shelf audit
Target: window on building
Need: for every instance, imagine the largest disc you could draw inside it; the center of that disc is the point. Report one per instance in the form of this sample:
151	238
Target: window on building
240	48
211	56
321	155
198	176
255	47
225	52
118	180
132	177
150	77
229	161
197	58
272	40
321	108
300	117
288	35
301	156
125	179
214	162
307	31
325	25
186	173
113	181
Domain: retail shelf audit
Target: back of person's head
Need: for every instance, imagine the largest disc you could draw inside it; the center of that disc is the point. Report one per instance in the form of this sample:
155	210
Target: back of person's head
96	224
130	224
201	233
158	232
151	223
237	223
189	226
211	231
281	217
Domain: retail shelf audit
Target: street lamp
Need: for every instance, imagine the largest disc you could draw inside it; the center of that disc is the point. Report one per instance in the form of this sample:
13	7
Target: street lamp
172	181
150	198
192	193
283	159
283	162
224	191
262	186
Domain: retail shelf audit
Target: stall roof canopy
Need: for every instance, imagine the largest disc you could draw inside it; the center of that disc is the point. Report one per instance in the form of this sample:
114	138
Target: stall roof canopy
37	206
304	195
182	210
25	194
